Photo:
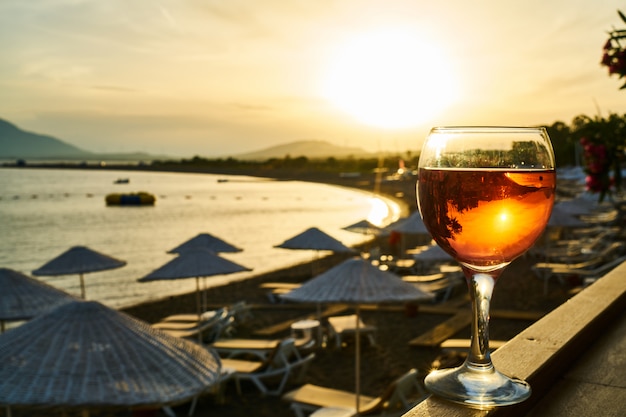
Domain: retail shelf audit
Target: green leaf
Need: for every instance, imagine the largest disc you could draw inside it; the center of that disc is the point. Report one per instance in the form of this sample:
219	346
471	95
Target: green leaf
622	16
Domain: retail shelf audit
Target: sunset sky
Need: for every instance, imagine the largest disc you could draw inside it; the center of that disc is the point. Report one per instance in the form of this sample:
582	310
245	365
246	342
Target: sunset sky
218	78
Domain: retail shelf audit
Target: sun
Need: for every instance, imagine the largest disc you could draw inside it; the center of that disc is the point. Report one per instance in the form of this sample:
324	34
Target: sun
390	78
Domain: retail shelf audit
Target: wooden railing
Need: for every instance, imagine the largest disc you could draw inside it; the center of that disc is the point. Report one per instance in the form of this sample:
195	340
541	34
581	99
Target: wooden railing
543	352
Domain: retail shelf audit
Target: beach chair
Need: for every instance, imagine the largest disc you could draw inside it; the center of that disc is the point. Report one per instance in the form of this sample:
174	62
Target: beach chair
261	348
186	318
397	398
276	289
281	365
575	250
206	330
440	285
340	326
587	274
594	260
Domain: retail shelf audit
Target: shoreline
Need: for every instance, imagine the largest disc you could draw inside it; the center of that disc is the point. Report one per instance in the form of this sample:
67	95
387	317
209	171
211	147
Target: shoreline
518	290
362	192
401	193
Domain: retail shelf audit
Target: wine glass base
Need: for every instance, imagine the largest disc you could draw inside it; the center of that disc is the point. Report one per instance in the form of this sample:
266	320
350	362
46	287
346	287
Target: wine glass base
477	387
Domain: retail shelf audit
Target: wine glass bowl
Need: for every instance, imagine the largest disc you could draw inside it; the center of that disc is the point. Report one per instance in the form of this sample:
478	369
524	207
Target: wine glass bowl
485	195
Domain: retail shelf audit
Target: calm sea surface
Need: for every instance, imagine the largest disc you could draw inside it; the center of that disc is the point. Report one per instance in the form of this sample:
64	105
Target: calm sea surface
44	212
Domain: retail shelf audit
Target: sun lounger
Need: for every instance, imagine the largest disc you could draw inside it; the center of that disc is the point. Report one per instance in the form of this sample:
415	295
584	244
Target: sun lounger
575	250
231	348
400	395
239	310
206	330
593	261
340	326
587	273
451	344
283	363
276	289
441	285
189	317
274	285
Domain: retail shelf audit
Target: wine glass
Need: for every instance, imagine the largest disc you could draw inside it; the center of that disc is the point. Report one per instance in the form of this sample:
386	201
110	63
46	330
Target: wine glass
485	194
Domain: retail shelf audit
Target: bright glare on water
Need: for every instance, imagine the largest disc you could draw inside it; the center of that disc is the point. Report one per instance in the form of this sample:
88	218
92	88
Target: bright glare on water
44	212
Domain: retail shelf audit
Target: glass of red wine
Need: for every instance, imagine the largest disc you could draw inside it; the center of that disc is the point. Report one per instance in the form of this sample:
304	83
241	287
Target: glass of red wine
485	195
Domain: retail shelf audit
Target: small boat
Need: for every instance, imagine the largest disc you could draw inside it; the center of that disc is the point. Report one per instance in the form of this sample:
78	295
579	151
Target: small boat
130	199
121	181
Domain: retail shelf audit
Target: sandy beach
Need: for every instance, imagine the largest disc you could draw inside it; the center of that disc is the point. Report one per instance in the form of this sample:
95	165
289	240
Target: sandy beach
518	290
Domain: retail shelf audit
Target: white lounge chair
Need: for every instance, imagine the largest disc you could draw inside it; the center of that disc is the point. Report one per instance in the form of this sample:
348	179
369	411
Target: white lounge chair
231	348
400	395
205	330
588	274
580	267
440	285
283	363
276	289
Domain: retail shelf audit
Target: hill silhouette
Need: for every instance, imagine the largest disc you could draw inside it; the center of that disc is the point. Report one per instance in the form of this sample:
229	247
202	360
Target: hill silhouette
315	149
16	143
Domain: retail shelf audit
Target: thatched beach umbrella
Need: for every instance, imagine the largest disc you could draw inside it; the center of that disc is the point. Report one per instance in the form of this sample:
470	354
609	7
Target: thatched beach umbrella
194	263
433	254
314	239
79	260
209	242
364	227
23	297
206	241
413	224
356	281
85	355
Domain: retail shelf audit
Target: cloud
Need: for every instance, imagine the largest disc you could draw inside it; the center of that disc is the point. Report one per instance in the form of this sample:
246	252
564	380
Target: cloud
199	76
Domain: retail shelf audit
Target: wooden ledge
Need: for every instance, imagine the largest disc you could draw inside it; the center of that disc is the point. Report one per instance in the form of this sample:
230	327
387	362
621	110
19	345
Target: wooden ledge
543	352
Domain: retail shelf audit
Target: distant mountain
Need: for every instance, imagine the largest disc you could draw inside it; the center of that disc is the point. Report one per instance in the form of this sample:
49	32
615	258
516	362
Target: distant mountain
313	149
16	143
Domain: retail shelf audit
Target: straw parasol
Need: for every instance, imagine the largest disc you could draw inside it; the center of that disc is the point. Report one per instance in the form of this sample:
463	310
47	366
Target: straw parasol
85	355
206	241
209	242
433	254
194	263
79	260
356	281
23	297
364	227
317	240
413	224
314	239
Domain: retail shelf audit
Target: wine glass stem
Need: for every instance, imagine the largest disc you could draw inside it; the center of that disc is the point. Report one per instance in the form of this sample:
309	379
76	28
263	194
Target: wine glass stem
480	289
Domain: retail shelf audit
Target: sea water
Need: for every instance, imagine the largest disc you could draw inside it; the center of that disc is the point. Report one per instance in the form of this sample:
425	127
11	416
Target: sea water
44	212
